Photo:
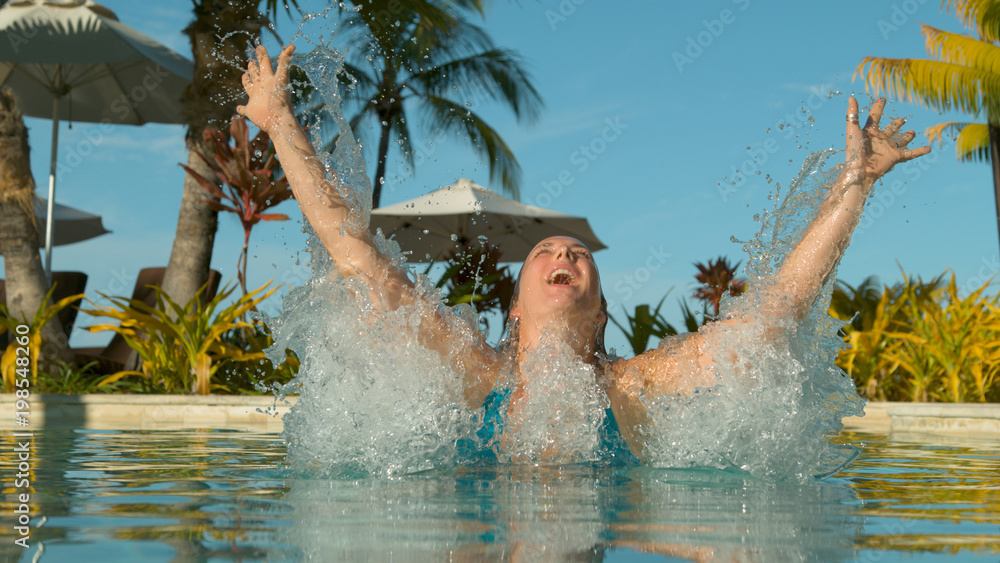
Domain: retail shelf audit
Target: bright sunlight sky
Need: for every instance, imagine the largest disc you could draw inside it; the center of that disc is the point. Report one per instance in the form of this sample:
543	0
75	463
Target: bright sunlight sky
668	96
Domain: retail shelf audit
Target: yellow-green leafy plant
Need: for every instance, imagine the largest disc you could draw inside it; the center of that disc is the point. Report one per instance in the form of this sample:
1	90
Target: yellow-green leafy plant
862	359
259	377
875	317
949	349
32	340
922	341
68	378
181	347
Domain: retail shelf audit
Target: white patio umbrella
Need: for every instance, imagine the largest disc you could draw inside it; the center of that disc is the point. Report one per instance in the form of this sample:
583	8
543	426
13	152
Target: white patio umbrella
69	224
73	60
446	218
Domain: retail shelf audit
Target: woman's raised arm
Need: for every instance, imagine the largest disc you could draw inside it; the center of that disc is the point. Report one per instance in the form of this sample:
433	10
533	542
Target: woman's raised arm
270	108
871	152
354	253
684	364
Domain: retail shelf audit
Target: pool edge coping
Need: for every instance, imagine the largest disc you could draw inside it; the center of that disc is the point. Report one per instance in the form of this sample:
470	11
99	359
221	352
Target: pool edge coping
264	413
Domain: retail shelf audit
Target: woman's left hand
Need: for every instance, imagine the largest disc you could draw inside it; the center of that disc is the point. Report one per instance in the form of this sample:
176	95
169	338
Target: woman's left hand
873	151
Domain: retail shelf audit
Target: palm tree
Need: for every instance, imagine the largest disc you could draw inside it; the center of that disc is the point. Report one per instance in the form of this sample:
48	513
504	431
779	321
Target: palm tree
219	36
964	76
436	58
26	284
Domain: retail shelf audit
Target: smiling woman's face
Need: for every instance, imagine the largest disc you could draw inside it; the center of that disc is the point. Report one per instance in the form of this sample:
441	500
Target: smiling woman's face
559	277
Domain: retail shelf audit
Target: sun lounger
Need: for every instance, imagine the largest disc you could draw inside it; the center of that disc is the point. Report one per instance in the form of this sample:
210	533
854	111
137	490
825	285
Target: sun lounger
117	354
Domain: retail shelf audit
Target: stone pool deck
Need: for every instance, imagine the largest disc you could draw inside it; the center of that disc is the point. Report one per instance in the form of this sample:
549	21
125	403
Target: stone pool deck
263	413
148	412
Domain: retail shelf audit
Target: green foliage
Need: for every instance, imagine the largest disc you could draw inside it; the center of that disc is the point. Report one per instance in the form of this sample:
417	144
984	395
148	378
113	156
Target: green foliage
474	276
645	324
922	341
33	339
715	280
255	377
429	59
70	379
857	304
181	348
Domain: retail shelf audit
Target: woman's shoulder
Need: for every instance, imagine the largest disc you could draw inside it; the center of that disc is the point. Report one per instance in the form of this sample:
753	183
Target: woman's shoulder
668	346
659	370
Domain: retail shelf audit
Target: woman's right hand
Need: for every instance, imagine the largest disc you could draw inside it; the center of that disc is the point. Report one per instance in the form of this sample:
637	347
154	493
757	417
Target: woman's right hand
873	150
270	103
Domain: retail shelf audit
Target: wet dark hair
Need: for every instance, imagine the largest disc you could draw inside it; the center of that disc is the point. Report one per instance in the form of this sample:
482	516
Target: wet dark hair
511	332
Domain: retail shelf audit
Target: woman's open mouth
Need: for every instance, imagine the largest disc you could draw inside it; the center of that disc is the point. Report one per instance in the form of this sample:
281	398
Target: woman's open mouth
561	276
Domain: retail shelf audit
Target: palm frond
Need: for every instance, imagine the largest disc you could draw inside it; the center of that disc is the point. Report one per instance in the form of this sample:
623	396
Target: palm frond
972	140
271	7
392	24
938	85
447	116
961	50
430	46
982	16
497	74
360	84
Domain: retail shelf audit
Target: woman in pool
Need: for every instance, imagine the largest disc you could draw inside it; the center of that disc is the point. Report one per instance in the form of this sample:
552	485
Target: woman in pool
559	290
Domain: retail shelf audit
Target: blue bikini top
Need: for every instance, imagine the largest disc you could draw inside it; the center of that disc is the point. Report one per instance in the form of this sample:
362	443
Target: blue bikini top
614	450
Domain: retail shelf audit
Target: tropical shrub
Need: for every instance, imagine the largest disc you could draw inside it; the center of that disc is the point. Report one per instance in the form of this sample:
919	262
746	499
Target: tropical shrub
474	276
45	313
258	376
645	324
247	172
182	348
715	280
66	378
922	341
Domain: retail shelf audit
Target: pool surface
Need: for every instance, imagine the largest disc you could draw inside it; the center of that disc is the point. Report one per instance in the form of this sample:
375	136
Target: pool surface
217	495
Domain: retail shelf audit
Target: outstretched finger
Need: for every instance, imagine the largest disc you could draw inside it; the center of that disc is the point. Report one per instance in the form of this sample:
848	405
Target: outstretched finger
894	127
875	115
906	138
263	59
283	61
853	128
910	154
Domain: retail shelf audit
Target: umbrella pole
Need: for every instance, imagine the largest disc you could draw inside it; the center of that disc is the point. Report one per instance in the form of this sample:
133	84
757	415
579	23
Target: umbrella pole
52	189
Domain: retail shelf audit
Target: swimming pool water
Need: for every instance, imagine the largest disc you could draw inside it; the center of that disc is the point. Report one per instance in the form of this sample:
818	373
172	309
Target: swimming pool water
217	495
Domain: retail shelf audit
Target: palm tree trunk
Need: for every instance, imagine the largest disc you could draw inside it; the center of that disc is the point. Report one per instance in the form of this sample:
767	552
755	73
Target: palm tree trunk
26	284
219	36
191	255
995	162
383	154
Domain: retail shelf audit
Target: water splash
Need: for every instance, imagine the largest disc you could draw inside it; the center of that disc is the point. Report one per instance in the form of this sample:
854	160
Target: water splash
779	398
373	401
558	415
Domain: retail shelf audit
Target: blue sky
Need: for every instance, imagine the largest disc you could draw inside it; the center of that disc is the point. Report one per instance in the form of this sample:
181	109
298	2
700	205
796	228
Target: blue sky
684	94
